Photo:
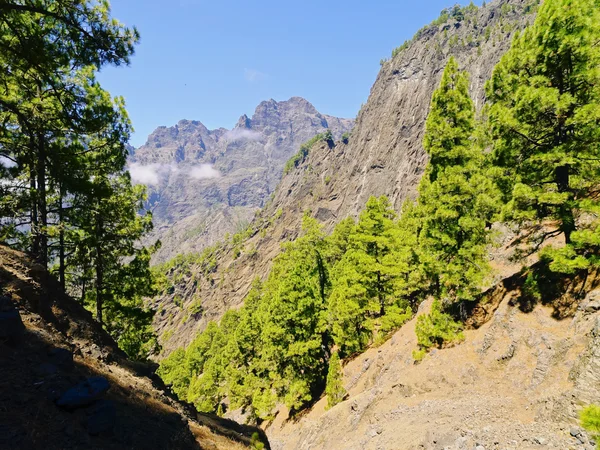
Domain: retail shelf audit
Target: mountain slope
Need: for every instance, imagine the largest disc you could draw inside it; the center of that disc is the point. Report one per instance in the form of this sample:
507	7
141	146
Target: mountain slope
49	345
206	183
518	381
384	155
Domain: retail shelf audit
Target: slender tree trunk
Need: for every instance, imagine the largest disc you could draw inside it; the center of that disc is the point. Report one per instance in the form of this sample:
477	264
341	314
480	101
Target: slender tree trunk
61	238
380	295
42	201
35	244
566	215
83	286
99	272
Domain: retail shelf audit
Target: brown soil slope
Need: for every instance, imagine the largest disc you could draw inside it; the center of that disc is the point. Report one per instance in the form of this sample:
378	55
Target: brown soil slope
60	346
518	381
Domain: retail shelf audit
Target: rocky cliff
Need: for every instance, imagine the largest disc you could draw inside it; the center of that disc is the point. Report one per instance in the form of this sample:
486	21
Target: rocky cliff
384	155
206	183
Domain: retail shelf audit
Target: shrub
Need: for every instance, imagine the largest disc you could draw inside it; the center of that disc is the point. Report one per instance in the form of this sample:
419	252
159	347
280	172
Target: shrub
301	155
335	388
436	329
590	420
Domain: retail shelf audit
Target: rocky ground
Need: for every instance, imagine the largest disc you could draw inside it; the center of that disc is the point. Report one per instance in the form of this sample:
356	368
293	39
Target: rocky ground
518	381
65	385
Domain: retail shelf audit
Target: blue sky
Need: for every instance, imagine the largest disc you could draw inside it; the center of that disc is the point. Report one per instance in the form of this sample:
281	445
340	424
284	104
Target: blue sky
213	60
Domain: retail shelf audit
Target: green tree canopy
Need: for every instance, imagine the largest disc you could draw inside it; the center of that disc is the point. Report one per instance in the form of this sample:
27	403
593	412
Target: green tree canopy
544	116
456	198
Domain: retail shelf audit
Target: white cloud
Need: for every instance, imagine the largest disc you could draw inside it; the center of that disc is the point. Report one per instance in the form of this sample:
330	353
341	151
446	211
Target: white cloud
204	171
8	163
254	76
242	134
154	174
148	175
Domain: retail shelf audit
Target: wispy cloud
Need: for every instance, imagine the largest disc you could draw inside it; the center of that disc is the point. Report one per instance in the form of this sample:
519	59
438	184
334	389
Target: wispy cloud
148	175
254	76
154	174
242	134
203	171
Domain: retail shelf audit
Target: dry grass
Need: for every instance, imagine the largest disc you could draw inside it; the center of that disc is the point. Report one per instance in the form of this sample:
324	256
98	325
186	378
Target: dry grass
209	440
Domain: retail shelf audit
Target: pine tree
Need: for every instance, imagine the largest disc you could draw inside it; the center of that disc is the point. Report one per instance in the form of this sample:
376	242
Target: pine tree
436	329
47	105
335	388
294	333
456	199
544	115
366	279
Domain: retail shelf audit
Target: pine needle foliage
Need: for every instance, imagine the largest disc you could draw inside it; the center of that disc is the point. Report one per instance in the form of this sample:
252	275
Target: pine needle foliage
544	116
335	388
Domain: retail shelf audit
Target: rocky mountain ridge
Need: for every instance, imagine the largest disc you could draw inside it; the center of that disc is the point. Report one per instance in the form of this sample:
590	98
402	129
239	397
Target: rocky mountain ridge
383	155
206	183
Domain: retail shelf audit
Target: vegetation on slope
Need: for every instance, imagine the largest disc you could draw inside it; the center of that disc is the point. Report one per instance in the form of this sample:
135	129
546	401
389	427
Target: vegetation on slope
302	153
65	195
343	292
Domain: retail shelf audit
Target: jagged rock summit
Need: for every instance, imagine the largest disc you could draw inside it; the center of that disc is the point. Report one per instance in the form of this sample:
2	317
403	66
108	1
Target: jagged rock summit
206	183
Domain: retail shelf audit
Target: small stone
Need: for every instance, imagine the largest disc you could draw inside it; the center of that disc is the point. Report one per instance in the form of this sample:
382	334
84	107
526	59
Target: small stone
592	306
84	393
103	416
480	447
540	441
575	432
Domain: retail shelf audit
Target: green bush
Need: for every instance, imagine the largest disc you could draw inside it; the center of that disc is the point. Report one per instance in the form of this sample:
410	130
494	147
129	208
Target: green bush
590	420
301	155
436	329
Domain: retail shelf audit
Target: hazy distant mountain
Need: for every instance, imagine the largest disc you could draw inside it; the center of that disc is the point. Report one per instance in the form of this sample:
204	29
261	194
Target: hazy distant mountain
205	183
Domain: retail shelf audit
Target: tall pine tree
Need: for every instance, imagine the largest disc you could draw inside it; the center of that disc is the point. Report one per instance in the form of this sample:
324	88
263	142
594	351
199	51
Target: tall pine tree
456	199
544	117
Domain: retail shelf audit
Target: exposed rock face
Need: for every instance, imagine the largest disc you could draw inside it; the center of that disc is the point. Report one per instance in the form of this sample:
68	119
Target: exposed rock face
205	183
384	155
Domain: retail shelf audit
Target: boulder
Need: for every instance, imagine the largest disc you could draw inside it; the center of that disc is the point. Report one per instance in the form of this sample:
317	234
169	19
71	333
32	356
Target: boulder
84	393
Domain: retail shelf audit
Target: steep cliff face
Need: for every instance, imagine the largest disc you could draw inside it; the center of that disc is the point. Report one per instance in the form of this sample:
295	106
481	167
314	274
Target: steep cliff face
384	155
206	183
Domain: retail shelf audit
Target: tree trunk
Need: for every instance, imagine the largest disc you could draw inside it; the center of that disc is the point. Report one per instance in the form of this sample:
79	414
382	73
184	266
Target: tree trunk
35	244
42	205
380	295
565	213
99	273
61	238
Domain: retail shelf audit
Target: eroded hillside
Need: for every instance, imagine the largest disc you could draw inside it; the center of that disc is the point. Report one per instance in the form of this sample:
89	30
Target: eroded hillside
384	155
65	384
518	381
